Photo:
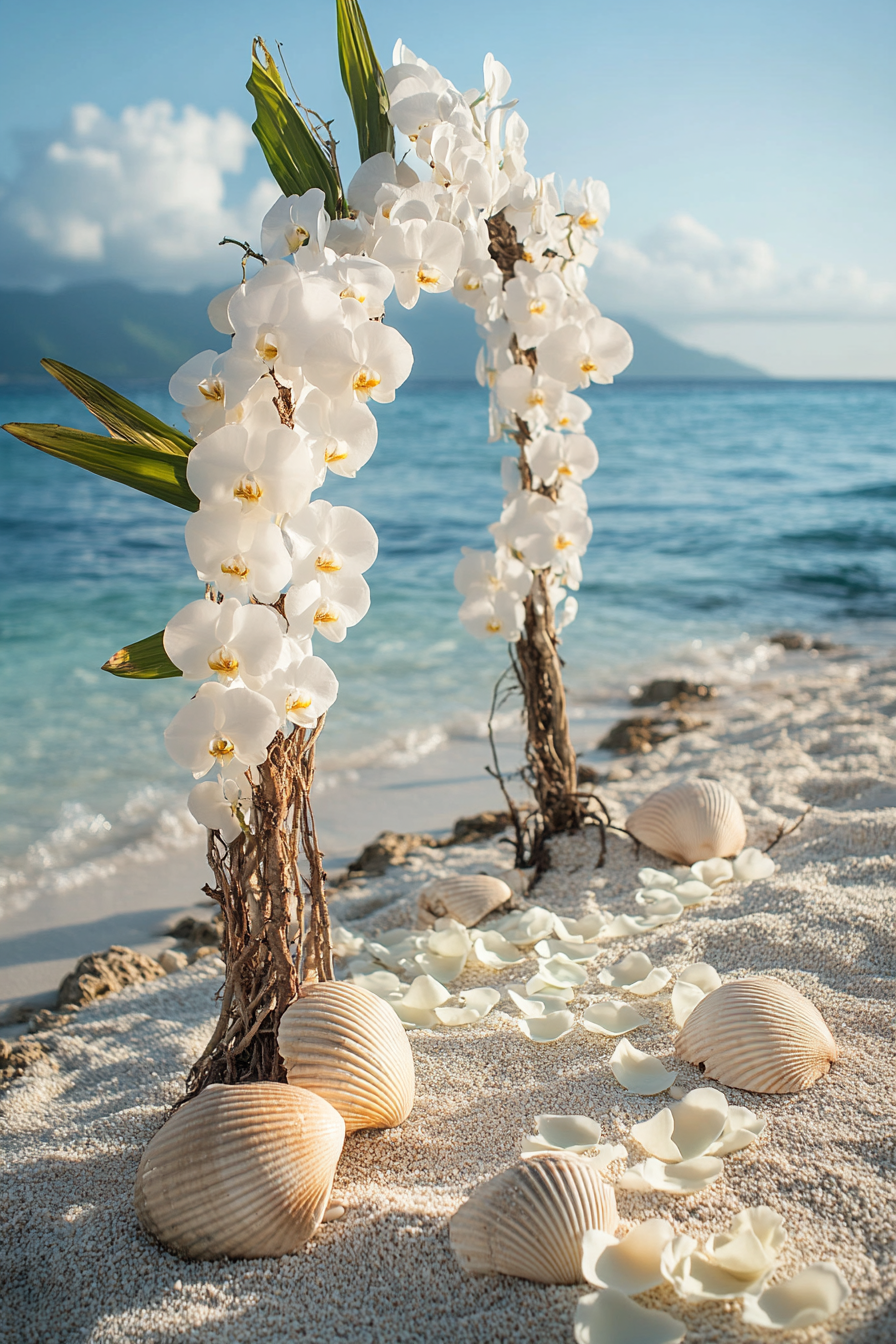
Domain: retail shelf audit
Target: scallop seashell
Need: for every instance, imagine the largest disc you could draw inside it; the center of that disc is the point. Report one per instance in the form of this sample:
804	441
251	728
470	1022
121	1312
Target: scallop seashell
348	1046
467	898
242	1171
758	1034
697	819
529	1220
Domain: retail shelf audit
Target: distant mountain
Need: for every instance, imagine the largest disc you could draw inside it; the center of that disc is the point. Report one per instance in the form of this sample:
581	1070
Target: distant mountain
114	330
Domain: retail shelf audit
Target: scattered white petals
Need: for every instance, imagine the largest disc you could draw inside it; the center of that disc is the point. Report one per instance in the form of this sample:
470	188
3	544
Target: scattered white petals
443	969
560	971
638	1072
381	983
742	1127
523	927
714	872
629	926
578	952
608	1153
551	1027
473	1006
701	974
686	1130
495	951
540	988
751	1245
612	1017
636	974
693	892
812	1295
630	1264
609	1317
345	943
673	1178
685	998
751	865
572	1133
589	928
652	877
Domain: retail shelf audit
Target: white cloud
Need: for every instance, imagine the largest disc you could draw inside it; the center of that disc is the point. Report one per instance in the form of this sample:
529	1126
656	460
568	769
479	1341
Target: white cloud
684	271
141	198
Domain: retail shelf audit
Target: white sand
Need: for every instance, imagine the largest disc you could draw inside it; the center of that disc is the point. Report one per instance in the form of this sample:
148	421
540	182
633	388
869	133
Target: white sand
76	1266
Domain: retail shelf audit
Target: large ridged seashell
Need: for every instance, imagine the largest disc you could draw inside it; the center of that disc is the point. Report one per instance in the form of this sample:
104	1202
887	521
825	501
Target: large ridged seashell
697	819
242	1171
529	1220
348	1046
468	898
758	1034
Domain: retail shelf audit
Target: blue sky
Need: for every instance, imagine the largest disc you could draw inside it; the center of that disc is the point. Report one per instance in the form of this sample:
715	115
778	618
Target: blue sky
748	149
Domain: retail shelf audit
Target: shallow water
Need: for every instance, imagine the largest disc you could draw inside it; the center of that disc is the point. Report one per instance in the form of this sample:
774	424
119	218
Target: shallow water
718	510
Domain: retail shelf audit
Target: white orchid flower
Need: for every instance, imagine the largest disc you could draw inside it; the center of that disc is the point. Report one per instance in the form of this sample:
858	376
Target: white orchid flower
269	469
533	205
374	173
529	394
546	535
499	613
368	362
458	161
562	457
301	692
223	726
363	285
579	355
226	639
330	544
294	224
587	206
343	432
221	805
242	553
569	413
485	573
534	302
415	90
309	610
422	256
200	387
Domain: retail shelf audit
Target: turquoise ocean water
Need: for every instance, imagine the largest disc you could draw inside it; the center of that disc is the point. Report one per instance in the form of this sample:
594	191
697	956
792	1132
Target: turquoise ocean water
718	510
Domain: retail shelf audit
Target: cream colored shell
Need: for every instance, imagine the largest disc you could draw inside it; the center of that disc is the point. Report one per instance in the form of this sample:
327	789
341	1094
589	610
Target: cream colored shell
348	1046
758	1034
530	1219
468	898
241	1171
693	820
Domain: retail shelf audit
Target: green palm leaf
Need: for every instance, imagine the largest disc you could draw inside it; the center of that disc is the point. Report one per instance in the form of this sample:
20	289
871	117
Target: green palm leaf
146	660
162	474
362	76
123	419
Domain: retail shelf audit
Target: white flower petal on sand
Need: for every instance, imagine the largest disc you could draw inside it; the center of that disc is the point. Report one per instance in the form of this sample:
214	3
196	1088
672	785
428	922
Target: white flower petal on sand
685	998
701	974
630	1264
660	906
443	969
609	1317
696	1278
560	971
693	892
536	1005
550	1027
751	865
742	1127
752	1243
606	1154
572	1133
380	983
494	950
636	974
640	1073
612	1017
449	939
524	927
672	1178
812	1295
473	1006
345	943
578	952
653	877
714	872
686	1130
588	929
539	988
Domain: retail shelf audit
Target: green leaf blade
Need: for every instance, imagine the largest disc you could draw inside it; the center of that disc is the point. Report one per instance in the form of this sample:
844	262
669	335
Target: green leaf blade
146	660
294	157
160	474
124	419
362	76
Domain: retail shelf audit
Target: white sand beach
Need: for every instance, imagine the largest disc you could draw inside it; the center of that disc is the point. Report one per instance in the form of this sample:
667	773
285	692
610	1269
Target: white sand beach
78	1269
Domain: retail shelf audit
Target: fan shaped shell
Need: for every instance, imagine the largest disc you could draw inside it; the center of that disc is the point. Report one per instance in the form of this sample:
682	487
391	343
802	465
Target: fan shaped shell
348	1046
530	1219
760	1035
693	820
468	898
242	1171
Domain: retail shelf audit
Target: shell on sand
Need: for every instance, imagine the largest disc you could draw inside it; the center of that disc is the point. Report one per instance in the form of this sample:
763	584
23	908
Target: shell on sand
242	1171
530	1219
693	820
468	898
758	1034
348	1046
